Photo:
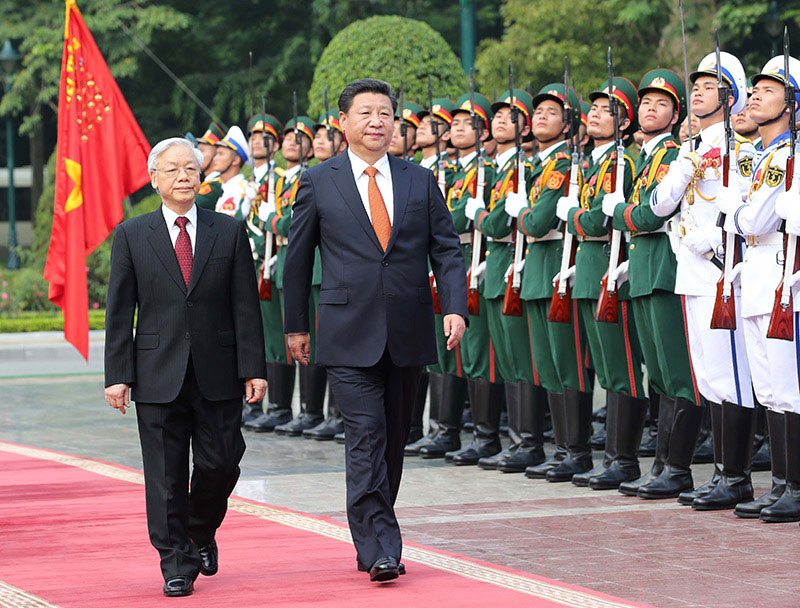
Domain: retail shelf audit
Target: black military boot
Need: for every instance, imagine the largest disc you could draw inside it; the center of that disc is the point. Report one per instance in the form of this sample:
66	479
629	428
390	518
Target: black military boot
328	428
578	406
776	421
513	399
279	410
610	447
466	417
704	452
448	435
559	421
787	507
676	475
315	378
436	387
530	451
415	432
738	427
761	456
715	417
488	399
629	423
650	437
665	418
250	411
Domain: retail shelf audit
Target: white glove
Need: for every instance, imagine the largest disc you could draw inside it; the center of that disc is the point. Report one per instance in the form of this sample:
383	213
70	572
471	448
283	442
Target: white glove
272	261
730	225
565	203
728	200
265	209
793	221
570	276
473	207
621	273
611	200
697	242
736	274
480	270
794	280
786	202
515	203
520	266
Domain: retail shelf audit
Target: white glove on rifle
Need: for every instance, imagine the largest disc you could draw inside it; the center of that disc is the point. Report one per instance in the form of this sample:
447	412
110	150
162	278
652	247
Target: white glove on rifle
520	266
265	209
565	203
794	280
272	261
480	270
736	274
570	276
697	242
728	200
473	207
611	200
621	273
786	202
515	203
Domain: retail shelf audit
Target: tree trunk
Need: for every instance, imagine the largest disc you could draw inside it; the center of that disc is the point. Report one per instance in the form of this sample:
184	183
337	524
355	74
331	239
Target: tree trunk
37	162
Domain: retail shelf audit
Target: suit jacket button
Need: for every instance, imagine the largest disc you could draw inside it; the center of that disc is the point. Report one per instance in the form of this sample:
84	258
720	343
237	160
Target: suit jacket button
384	263
189	304
187	335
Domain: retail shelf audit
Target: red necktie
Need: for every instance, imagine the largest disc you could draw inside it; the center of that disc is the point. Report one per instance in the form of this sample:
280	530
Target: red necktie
377	209
183	249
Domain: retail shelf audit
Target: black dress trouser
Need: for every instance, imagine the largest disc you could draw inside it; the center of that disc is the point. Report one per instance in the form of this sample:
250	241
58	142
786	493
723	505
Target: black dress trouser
376	404
181	517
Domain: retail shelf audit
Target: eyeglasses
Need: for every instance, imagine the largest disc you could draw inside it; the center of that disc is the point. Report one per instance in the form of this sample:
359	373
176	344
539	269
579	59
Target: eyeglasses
172	172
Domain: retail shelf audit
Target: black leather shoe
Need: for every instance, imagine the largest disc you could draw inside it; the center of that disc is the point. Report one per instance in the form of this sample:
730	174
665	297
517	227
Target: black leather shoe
339	437
266	423
475	451
295	428
401	568
444	442
178	586
384	569
489	463
209	559
325	430
522	458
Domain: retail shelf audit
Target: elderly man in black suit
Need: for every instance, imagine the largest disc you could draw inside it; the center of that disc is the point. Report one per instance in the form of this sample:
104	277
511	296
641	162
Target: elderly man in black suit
198	348
377	221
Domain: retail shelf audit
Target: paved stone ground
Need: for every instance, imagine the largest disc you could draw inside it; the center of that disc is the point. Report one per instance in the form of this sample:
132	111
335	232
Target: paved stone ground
655	552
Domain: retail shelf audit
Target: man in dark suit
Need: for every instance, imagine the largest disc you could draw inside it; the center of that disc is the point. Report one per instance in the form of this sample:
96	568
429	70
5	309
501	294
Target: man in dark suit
377	221
198	349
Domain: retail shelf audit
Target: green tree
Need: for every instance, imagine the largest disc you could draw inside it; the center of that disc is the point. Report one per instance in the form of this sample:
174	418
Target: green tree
374	42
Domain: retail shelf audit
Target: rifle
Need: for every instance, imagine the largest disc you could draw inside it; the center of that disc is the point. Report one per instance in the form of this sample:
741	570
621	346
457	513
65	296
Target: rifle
296	131
724	315
473	296
403	125
437	305
328	127
512	303
250	83
265	273
608	303
781	322
561	302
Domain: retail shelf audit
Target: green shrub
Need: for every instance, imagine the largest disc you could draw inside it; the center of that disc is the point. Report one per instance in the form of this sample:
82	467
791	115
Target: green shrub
45	321
391	48
23	289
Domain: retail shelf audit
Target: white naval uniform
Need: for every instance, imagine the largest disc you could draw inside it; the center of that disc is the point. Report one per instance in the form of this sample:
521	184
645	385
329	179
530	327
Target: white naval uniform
718	357
773	363
236	197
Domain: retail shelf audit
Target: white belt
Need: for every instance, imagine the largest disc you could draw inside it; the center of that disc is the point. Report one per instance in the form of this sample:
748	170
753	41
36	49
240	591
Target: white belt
583	239
465	238
659	231
773	238
505	239
553	235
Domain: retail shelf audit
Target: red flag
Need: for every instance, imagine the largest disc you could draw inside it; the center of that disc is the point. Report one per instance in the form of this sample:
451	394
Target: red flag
101	159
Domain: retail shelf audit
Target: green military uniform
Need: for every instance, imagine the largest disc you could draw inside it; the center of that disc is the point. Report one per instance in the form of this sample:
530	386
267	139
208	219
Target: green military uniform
614	347
211	187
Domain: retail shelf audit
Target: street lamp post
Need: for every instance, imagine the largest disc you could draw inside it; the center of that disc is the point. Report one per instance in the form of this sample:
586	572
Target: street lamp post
9	58
773	25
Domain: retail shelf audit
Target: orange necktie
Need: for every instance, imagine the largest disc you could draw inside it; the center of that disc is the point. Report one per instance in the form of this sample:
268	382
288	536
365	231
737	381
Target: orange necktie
377	209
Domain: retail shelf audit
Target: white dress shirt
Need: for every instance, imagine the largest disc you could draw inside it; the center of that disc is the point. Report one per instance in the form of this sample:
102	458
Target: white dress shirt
501	159
174	230
467	159
383	178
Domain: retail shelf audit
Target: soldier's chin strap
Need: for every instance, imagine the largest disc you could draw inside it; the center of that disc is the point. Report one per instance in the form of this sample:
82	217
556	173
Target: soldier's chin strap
775	119
714	111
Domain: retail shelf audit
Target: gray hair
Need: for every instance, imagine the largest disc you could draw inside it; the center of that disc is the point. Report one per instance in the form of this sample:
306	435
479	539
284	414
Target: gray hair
159	148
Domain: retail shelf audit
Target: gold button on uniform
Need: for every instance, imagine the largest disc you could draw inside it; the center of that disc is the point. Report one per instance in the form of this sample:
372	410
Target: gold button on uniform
633	246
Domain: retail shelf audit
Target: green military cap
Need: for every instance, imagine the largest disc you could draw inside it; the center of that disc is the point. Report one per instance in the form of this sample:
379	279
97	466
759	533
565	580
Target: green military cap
522	101
213	134
626	93
585	107
304	124
442	108
483	107
555	92
265	122
749	87
668	82
331	119
411	113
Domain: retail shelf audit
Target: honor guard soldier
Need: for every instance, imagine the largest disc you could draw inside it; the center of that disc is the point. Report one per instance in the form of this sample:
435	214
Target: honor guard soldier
211	187
263	132
404	140
469	129
744	124
607	317
772	357
280	366
556	347
508	333
651	267
236	196
329	141
718	356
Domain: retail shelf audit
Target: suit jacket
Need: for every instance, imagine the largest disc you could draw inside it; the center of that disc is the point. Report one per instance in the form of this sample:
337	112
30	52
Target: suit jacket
370	298
216	320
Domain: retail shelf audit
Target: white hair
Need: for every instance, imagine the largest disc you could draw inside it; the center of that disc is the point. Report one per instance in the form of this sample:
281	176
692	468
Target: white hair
159	148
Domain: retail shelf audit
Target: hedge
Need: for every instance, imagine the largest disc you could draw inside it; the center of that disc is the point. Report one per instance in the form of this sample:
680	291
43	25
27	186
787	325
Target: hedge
45	321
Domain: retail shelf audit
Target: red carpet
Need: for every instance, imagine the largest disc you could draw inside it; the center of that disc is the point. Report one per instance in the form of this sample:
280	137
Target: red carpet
73	533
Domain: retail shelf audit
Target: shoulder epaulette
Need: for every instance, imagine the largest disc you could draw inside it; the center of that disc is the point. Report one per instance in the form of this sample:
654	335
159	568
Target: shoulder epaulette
213	180
279	171
741	139
562	156
670	143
